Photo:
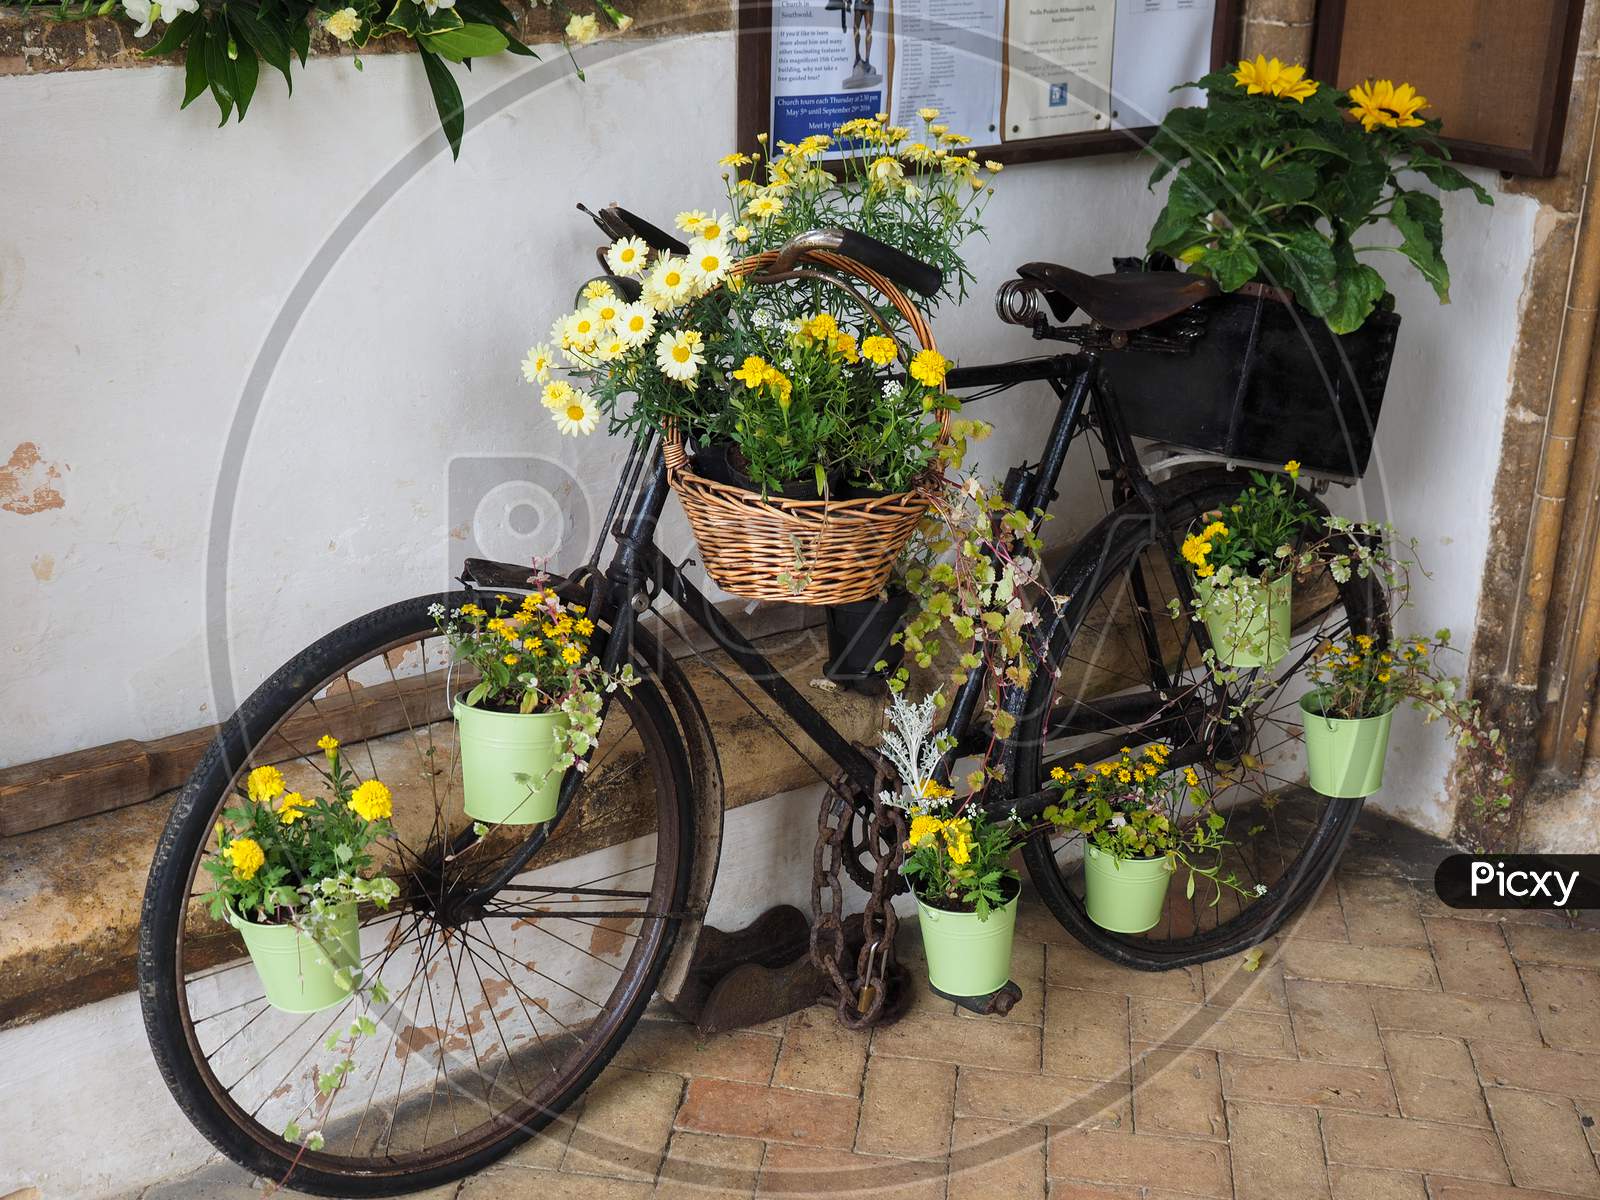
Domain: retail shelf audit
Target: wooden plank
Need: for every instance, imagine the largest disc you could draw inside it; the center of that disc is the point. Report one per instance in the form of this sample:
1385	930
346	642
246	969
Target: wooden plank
50	791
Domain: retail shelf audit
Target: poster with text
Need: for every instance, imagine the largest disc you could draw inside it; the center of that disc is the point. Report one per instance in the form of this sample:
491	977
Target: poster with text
947	55
1058	67
1159	43
829	64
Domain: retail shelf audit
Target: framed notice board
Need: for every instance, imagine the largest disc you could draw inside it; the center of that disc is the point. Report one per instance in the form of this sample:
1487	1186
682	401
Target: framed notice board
1498	73
1026	79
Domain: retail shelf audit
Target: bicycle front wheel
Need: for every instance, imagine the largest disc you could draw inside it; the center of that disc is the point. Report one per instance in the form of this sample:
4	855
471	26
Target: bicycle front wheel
499	1013
1125	670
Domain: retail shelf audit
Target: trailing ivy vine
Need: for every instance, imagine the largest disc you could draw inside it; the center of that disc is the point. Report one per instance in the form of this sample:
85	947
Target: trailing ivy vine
225	42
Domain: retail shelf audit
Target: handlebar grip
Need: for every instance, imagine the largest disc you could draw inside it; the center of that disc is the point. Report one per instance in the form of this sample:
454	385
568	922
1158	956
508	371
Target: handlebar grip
910	273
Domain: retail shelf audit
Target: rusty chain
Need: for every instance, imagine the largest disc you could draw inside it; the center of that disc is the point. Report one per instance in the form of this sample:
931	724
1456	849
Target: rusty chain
862	998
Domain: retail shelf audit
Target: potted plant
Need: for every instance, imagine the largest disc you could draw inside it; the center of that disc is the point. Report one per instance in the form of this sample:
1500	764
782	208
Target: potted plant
796	393
1278	183
1140	822
1358	682
287	875
1242	564
535	709
860	633
956	858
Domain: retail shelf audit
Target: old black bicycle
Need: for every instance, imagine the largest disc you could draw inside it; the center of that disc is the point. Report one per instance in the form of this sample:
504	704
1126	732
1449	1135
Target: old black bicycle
515	963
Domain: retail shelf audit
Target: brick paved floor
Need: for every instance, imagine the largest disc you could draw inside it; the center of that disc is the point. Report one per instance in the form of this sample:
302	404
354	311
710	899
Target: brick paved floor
1388	1048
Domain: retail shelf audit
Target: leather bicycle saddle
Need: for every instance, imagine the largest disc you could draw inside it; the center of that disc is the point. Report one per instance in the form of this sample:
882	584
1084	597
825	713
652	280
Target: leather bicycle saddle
1125	301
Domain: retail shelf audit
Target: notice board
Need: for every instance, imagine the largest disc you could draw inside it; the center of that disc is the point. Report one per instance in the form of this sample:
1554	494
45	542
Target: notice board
1498	73
1026	79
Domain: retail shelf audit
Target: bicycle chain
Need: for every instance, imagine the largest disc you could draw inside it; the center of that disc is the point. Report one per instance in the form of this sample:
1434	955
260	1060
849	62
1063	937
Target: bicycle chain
861	999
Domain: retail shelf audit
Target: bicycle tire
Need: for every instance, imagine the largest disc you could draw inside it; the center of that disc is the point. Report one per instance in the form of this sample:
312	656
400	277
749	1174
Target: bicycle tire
1093	567
163	992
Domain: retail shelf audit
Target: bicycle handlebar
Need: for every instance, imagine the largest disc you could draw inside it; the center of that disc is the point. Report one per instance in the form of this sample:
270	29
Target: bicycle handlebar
910	273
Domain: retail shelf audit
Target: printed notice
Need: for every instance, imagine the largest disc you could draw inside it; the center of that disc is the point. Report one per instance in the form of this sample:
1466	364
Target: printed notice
947	55
1159	44
828	65
1058	74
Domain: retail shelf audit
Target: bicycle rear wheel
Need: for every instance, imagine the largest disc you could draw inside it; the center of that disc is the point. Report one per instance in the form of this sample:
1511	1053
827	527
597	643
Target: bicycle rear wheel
1125	671
499	1013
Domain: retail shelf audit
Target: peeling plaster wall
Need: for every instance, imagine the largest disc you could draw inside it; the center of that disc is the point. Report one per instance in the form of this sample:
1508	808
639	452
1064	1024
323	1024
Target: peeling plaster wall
146	257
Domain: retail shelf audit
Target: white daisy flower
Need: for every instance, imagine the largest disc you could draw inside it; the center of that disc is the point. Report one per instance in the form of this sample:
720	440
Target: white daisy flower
627	256
606	311
612	347
536	367
582	329
714	228
578	415
597	289
680	355
635	324
708	263
671	281
691	220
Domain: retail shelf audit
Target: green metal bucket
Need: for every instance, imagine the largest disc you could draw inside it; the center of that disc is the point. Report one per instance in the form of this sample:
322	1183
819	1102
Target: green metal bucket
506	765
966	956
1344	758
1127	895
299	974
1258	639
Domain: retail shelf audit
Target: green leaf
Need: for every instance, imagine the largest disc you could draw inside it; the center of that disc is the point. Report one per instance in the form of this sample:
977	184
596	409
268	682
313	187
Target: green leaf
266	37
1360	288
1232	264
469	41
1252	958
219	71
1312	270
194	68
446	98
1446	177
246	70
1420	220
1292	181
300	39
177	33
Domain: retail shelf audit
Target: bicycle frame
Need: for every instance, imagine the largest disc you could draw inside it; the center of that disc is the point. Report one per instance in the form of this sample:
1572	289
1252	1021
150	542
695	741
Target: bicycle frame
639	570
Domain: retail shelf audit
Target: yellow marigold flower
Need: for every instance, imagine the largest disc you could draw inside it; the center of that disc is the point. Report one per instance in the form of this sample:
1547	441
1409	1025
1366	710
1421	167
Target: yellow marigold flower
1422	650
957	837
327	743
372	801
934	790
843	345
753	373
292	808
1364	640
1214	530
1205	572
570	655
1195	549
264	783
1190	777
1292	468
923	827
929	367
247	857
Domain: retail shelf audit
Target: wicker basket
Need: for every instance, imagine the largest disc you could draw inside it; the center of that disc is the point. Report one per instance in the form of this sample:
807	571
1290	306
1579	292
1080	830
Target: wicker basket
801	551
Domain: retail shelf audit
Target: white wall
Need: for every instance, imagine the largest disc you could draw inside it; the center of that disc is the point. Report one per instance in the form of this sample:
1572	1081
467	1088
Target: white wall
147	260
